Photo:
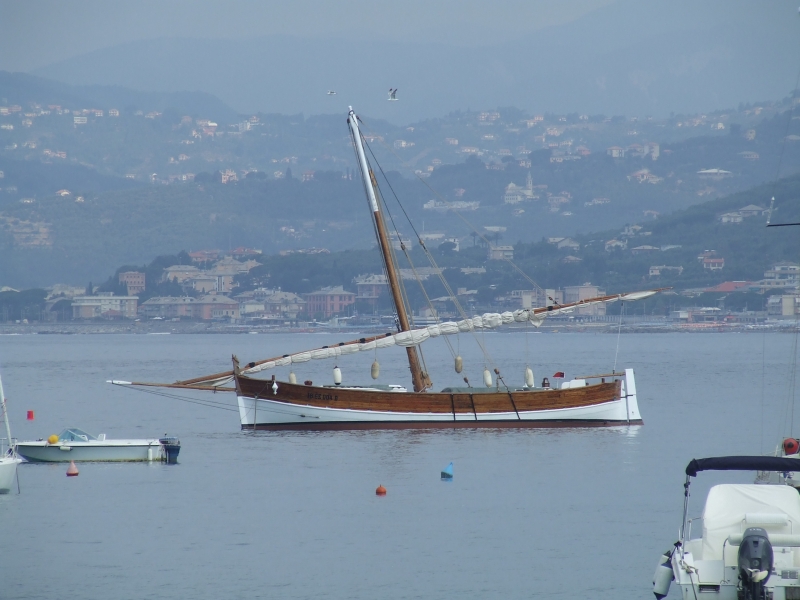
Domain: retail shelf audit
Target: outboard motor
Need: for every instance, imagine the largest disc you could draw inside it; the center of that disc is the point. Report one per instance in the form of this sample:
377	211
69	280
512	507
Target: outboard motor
755	563
663	576
172	447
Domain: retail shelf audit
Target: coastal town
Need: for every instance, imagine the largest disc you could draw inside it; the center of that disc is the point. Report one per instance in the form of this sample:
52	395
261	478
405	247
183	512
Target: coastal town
215	291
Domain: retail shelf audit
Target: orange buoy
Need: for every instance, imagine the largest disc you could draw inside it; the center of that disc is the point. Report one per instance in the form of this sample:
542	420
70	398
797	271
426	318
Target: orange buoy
31	415
72	471
790	446
381	491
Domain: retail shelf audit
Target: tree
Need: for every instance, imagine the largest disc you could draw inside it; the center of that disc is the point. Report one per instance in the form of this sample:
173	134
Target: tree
447	248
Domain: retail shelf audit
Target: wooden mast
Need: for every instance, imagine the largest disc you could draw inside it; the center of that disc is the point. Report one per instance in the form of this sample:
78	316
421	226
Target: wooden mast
418	377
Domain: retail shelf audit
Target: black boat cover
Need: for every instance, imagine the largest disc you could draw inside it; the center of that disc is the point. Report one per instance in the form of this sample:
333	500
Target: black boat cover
742	463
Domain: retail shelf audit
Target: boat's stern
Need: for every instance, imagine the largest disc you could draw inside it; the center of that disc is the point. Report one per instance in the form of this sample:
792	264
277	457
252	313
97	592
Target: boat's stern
629	396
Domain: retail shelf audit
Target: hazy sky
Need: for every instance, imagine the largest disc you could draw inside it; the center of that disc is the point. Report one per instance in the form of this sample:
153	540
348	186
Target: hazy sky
34	34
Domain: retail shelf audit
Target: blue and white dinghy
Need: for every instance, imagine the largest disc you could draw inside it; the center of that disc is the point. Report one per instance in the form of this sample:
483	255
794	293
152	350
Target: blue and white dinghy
75	444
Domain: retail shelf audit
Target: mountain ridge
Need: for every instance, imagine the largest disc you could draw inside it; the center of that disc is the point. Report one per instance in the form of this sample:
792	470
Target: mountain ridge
688	58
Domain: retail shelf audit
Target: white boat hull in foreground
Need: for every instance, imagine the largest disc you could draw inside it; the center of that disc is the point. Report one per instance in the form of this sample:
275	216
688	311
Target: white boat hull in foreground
746	546
8	473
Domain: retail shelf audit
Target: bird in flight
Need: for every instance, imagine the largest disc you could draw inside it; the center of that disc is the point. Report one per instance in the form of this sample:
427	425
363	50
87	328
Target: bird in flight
331	93
392	95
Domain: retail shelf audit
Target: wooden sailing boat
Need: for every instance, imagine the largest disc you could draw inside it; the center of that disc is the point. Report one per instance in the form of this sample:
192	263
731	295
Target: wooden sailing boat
271	404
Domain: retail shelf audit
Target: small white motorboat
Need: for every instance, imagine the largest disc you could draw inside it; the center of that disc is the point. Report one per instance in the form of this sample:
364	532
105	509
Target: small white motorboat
747	547
75	444
8	457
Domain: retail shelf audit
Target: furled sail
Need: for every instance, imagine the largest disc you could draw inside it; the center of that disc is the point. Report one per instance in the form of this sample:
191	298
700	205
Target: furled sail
413	337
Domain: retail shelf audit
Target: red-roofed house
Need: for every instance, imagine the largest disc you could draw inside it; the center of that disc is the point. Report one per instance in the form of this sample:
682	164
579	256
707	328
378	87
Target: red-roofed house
730	286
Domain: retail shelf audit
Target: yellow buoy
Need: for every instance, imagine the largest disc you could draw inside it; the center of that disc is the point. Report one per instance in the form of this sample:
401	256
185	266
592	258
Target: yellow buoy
53	439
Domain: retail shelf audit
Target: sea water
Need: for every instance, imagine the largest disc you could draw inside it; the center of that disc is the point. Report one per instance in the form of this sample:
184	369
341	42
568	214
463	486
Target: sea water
555	513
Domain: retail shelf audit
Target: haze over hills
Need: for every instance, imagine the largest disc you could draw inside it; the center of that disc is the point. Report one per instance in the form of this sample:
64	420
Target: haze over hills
110	179
23	88
629	58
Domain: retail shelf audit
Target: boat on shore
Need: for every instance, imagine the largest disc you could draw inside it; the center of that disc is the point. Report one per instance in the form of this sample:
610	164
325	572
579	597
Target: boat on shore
8	456
606	399
74	444
748	548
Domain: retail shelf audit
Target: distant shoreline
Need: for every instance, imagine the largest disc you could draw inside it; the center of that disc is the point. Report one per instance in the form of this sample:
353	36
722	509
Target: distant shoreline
185	328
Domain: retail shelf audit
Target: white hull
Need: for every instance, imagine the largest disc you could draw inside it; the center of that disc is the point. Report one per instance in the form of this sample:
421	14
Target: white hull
263	412
8	474
708	566
109	450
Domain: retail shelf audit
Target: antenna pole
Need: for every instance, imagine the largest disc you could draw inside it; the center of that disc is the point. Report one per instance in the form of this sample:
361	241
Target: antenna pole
5	416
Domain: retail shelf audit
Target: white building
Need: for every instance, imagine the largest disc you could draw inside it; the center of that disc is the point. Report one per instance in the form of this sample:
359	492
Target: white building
104	304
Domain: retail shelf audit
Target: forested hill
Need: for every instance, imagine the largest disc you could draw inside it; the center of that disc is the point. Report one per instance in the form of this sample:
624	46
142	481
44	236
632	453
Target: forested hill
748	248
84	192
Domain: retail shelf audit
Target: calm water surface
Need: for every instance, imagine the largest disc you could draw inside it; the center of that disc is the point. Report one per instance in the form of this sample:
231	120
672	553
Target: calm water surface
557	513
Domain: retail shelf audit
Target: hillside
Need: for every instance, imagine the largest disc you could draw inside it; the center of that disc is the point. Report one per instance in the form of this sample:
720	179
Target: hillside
24	88
87	187
748	249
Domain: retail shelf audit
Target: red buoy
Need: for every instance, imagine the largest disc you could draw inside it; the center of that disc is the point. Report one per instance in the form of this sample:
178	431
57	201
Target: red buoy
381	491
790	446
72	471
30	415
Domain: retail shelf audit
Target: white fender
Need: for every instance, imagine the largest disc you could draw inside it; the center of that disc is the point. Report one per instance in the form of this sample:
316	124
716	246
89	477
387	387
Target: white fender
663	577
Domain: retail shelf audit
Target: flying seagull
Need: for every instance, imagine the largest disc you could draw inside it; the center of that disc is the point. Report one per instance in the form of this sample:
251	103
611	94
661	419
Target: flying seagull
392	95
331	93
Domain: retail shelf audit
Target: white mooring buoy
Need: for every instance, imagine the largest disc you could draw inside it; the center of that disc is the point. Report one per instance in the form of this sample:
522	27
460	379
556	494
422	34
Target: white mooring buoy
292	377
459	364
337	376
487	378
375	370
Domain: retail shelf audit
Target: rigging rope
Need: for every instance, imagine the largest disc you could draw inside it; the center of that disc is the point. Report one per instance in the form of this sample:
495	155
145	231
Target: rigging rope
793	378
785	135
433	263
207	403
403	293
459	215
763	379
375	231
619	331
